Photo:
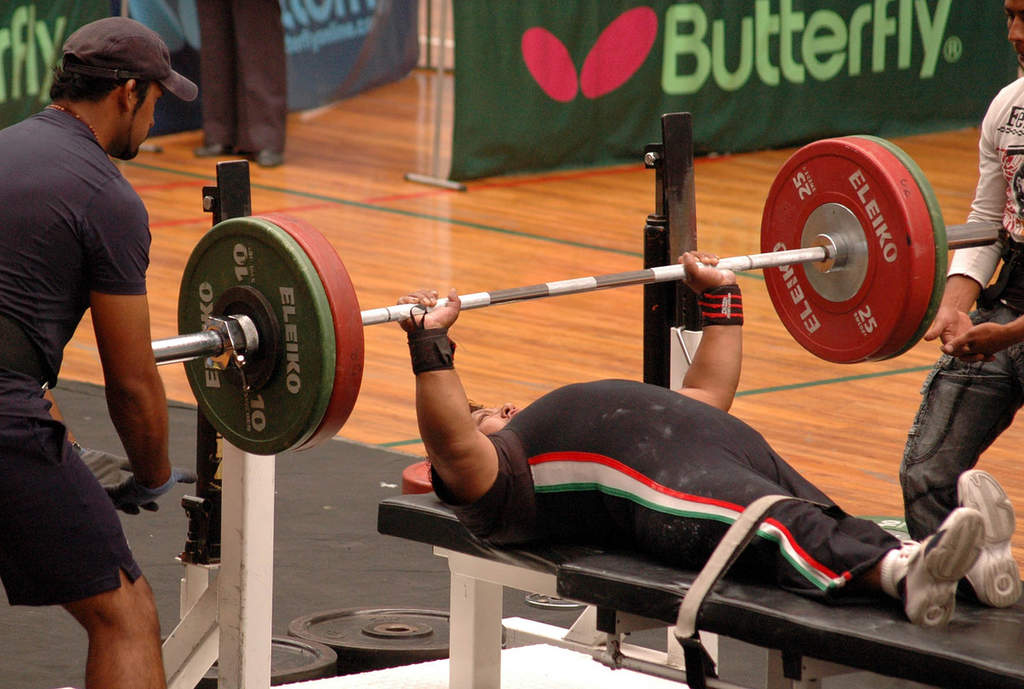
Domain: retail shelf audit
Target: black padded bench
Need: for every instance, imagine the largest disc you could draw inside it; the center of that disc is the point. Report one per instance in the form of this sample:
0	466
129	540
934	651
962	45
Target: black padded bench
981	647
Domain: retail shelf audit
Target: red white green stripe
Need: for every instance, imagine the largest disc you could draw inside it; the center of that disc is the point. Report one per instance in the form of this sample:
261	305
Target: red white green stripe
561	472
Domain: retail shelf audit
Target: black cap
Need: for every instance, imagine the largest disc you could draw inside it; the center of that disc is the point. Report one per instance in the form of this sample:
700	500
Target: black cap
122	48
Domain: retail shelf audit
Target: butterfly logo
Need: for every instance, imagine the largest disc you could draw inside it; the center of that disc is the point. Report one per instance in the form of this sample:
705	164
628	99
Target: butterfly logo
620	50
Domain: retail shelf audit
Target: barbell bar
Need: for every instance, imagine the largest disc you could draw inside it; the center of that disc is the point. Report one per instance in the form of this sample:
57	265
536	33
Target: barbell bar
958	237
277	361
238	335
234	335
217	340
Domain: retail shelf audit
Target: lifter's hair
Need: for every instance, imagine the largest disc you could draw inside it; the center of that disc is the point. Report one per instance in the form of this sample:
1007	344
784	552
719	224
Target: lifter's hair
81	87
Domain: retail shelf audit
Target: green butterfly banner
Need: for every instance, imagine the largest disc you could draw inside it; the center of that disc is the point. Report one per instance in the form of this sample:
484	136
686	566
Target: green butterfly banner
542	85
31	35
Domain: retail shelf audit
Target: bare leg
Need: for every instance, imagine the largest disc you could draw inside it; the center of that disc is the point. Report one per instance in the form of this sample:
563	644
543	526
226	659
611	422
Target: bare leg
124	637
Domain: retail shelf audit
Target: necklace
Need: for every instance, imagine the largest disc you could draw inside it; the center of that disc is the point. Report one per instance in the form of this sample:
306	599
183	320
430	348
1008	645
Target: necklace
75	115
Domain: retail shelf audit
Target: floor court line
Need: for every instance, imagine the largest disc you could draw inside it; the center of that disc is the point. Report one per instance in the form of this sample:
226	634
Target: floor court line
409	214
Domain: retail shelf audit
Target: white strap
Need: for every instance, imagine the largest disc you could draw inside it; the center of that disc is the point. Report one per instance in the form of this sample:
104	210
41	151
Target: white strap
728	549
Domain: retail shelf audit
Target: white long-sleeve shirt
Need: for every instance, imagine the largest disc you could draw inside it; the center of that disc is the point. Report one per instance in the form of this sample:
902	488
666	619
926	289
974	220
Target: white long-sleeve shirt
1000	193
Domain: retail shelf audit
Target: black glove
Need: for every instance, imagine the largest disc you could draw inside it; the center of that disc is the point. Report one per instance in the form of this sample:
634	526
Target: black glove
115	475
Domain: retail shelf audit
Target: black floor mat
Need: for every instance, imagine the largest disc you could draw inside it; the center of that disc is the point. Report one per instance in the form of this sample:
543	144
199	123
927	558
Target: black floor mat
327	551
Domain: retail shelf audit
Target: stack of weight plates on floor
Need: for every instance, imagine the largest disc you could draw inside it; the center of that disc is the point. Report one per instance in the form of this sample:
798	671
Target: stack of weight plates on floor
291	660
366	639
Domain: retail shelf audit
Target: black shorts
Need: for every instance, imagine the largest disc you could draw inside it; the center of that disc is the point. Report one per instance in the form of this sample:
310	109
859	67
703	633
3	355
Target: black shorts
61	539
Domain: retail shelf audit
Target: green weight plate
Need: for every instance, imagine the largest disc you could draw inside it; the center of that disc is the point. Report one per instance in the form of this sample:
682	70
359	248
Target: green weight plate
288	408
938	227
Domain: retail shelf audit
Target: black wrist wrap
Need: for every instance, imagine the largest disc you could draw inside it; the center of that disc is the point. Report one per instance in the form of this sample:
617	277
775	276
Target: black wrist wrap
431	350
722	306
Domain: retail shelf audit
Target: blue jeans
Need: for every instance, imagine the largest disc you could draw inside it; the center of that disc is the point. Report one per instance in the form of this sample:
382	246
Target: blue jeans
964	408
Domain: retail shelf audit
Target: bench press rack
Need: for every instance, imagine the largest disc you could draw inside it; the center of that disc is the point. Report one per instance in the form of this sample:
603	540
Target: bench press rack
226	618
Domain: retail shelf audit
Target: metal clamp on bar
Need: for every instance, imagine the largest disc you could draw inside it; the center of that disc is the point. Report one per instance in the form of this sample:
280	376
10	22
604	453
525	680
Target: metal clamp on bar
233	336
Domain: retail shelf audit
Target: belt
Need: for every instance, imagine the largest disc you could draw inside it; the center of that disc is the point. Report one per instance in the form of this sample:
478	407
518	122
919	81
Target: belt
1009	285
17	353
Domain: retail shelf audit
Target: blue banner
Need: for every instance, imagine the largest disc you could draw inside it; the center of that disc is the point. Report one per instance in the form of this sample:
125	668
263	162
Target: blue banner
335	49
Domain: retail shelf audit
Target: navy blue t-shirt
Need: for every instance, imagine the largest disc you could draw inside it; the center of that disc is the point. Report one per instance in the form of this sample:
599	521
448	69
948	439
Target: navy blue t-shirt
69	224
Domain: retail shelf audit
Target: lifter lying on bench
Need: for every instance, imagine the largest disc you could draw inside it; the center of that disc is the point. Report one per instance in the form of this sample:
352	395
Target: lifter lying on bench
624	464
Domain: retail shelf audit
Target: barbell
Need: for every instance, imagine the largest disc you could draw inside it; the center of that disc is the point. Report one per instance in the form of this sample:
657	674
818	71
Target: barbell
275	350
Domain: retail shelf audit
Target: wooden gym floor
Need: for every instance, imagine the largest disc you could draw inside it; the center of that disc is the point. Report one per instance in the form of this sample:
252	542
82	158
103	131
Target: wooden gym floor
843	426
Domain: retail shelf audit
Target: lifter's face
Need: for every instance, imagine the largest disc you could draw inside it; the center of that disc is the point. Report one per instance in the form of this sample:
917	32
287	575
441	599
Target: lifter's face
1015	26
493	419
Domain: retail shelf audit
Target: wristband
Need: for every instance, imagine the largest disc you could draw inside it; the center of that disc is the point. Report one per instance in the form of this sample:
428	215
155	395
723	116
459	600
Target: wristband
722	305
431	350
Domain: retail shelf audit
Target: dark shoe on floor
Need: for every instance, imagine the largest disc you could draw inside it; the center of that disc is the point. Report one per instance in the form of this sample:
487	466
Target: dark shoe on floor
212	151
268	158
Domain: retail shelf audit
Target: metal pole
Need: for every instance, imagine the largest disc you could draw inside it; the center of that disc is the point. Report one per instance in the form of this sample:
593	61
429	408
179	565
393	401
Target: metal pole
958	237
435	178
175	350
590	284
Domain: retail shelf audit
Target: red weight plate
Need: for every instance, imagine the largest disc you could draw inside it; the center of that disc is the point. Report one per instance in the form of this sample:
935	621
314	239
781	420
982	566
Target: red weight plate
920	238
873	185
938	232
416	478
348	324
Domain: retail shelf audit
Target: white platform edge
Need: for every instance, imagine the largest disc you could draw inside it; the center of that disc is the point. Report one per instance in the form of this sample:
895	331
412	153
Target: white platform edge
528	667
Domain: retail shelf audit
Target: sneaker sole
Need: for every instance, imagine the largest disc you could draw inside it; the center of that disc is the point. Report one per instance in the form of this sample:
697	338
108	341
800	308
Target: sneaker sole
946	562
958	549
995	577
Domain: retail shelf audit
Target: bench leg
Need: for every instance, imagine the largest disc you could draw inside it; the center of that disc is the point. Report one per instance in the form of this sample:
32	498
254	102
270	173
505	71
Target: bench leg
799	672
475	629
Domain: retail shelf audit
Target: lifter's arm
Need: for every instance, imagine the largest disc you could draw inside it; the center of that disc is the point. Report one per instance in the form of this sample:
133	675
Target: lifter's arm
715	371
461	455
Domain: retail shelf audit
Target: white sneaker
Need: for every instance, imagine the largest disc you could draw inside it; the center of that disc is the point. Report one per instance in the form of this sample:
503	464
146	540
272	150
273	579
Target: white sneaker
929	589
995	577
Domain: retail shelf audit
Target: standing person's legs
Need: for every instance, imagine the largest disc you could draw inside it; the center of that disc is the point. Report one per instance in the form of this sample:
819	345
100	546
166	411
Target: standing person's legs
124	637
62	544
261	63
217	69
963	410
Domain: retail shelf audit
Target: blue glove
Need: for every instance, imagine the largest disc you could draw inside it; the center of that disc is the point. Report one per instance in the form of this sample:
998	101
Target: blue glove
115	475
129	495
